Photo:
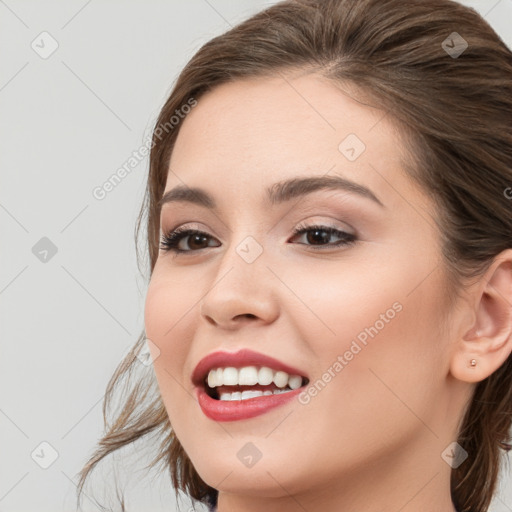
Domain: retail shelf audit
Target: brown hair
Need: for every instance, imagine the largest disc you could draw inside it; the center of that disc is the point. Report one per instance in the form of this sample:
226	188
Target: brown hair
455	111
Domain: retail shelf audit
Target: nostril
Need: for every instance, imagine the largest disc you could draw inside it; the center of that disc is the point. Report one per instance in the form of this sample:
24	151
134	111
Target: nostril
247	315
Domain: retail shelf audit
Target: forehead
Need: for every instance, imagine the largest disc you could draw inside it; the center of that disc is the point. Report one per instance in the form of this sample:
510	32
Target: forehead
294	114
251	133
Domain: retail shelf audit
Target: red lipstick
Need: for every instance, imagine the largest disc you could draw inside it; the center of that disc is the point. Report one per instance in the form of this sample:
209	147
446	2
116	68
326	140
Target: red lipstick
231	410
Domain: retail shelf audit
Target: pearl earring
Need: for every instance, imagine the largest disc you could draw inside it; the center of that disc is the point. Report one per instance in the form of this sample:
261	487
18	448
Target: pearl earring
473	363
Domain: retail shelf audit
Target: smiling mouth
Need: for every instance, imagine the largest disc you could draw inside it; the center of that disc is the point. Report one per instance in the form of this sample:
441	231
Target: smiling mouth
244	392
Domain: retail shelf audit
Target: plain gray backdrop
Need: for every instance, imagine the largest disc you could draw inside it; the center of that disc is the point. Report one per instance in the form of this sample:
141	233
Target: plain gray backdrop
81	83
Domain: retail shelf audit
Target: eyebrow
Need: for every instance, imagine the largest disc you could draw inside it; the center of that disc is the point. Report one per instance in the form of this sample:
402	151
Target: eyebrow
277	193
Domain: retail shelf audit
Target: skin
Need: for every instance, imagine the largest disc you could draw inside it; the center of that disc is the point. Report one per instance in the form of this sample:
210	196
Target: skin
372	438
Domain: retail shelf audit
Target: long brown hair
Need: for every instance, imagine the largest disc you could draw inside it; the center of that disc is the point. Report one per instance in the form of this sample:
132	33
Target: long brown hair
454	110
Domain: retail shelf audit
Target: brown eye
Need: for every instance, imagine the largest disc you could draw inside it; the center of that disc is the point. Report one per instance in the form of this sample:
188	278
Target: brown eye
197	241
318	236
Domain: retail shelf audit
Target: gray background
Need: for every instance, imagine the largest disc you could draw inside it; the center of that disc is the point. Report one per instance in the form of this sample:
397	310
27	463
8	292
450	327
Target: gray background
69	121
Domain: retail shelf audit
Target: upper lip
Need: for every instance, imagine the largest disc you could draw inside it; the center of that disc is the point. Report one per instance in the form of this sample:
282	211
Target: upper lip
243	357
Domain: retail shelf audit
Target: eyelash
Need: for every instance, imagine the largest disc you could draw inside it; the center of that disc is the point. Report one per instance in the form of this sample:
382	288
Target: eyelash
170	241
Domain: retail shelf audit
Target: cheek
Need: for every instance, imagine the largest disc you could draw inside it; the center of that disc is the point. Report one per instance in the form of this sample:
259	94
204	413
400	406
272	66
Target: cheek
335	303
168	306
168	317
387	305
378	348
168	314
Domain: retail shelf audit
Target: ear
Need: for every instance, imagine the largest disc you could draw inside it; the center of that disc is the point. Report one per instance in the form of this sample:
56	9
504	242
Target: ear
488	342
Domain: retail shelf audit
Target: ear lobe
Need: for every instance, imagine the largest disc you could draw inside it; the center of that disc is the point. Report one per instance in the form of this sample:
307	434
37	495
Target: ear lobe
488	343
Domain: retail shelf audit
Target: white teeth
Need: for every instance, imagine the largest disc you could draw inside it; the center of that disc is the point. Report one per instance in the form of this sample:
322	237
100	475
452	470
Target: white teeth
265	376
251	394
212	378
250	376
280	379
295	381
229	377
244	395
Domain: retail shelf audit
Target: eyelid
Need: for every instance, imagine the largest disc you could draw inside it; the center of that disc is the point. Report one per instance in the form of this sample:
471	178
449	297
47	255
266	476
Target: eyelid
312	218
183	225
307	223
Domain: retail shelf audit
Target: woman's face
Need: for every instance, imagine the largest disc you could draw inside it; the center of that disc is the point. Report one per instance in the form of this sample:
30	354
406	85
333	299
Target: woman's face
360	320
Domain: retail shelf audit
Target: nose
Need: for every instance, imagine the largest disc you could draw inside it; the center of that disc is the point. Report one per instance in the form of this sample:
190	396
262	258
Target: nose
240	293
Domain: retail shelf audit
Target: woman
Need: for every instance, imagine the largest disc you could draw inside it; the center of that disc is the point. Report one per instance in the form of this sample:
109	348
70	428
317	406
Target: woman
330	240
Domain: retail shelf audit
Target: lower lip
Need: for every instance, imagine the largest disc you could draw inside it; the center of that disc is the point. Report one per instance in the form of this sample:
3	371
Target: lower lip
232	410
